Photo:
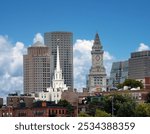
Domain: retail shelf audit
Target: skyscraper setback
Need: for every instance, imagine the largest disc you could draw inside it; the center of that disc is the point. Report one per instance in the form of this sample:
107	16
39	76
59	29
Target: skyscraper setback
65	42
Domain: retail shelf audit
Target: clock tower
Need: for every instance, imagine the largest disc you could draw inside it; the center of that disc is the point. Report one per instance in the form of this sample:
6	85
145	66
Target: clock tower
97	76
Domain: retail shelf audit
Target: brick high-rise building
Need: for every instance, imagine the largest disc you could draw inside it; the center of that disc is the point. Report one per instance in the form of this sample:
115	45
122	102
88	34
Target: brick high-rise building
65	42
37	67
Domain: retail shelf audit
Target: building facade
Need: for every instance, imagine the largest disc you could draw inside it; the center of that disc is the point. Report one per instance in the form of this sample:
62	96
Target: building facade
14	100
139	65
65	42
37	67
39	109
97	76
118	74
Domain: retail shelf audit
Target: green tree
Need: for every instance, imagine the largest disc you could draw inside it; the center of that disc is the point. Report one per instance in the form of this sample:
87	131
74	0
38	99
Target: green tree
127	109
142	110
115	103
66	104
148	98
119	86
148	109
93	104
100	113
133	83
82	114
63	103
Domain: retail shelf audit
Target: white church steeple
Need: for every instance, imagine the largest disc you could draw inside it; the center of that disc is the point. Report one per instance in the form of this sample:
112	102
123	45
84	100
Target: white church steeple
58	71
58	81
58	61
58	86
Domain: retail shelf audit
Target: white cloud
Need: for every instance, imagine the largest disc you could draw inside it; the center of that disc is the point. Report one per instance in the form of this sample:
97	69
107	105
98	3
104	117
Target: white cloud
83	46
17	60
82	61
38	37
143	47
11	66
107	56
82	58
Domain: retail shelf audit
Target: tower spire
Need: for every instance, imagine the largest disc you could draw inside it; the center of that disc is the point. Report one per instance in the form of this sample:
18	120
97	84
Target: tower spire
58	61
97	42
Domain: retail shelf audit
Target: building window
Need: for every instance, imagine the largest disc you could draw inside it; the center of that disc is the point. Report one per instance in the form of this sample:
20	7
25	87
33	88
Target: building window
97	80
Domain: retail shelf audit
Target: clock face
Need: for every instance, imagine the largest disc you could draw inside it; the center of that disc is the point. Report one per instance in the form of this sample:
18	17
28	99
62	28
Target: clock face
97	57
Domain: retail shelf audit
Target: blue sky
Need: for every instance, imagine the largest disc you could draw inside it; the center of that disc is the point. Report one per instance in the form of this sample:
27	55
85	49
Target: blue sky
122	25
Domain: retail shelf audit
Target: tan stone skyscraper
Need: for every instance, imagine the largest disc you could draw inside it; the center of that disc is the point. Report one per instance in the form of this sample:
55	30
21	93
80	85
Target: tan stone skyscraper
37	67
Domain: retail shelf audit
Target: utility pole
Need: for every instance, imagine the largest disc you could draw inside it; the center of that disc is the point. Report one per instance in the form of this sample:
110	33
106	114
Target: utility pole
112	108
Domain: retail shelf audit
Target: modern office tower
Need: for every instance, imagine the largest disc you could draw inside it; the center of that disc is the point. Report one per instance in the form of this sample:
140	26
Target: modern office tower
37	65
65	42
118	74
139	65
97	76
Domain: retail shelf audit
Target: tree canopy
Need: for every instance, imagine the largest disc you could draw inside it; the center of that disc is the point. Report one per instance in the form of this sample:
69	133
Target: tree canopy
66	104
118	106
131	83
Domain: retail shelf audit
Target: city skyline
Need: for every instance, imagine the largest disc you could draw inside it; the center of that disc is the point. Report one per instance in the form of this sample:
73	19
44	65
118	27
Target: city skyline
123	26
